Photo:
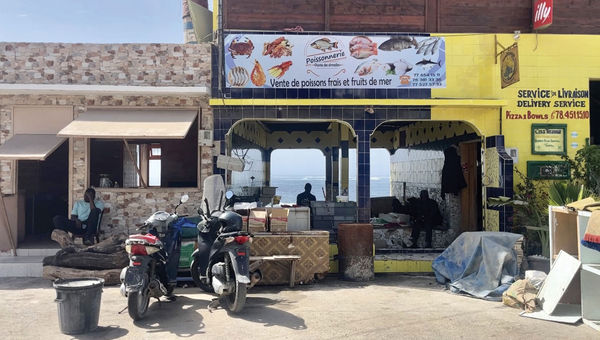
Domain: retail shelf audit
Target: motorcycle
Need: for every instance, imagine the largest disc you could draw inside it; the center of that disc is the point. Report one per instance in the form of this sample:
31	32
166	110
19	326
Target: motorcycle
153	261
221	262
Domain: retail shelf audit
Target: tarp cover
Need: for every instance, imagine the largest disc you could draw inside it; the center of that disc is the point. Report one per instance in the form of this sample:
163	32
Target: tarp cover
482	264
30	147
132	124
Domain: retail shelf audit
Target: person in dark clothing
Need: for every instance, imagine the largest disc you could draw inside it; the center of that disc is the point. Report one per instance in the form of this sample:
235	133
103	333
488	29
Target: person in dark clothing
453	180
304	198
84	217
426	216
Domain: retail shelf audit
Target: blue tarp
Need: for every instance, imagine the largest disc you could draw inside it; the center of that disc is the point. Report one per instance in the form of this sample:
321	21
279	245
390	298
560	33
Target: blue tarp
482	264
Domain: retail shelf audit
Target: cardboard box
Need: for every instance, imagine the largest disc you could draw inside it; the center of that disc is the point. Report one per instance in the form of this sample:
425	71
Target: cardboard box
257	221
278	219
298	219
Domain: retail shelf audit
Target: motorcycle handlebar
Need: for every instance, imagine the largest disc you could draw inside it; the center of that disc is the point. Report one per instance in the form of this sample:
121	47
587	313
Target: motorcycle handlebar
235	233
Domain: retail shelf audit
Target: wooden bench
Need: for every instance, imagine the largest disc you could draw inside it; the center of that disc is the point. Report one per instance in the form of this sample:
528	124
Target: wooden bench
256	261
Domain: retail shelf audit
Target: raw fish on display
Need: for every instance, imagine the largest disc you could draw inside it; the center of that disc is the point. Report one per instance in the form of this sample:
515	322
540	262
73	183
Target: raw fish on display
398	43
367	67
362	47
324	44
399	67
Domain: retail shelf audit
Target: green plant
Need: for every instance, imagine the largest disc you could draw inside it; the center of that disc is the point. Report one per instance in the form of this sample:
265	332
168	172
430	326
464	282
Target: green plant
585	168
562	193
530	205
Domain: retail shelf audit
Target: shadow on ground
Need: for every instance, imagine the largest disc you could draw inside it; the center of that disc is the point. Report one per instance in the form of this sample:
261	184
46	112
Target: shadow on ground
258	310
104	332
331	283
181	317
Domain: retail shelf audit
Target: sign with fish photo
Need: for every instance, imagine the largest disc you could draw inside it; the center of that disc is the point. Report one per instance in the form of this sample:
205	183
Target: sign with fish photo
334	61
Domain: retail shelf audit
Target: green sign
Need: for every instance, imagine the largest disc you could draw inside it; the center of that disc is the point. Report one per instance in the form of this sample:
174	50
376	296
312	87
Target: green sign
548	170
548	139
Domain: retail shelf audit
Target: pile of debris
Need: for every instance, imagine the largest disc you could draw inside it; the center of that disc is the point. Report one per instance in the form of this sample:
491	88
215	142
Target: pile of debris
103	260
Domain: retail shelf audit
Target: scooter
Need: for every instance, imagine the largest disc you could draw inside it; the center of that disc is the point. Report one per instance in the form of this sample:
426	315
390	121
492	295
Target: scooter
221	262
153	260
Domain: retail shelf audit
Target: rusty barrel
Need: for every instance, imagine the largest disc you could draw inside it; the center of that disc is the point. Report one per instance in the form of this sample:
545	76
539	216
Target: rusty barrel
355	248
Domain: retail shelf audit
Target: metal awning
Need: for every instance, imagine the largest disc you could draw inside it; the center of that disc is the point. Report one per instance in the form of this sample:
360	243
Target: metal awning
131	124
29	147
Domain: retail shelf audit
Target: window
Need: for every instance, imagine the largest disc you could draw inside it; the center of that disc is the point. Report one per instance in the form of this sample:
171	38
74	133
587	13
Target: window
161	163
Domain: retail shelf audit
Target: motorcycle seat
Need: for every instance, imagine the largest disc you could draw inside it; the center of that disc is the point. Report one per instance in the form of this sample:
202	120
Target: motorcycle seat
147	239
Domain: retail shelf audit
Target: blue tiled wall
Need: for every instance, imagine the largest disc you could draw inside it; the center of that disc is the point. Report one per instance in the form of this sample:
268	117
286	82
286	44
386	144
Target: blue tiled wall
506	182
362	122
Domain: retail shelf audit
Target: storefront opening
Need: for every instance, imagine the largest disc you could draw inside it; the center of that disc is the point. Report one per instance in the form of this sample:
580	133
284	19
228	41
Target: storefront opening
165	163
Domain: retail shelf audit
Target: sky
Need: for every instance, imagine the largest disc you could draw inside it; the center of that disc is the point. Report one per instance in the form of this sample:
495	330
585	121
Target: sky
133	21
91	21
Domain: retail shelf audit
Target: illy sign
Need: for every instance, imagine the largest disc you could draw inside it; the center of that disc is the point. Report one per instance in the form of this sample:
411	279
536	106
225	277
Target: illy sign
542	14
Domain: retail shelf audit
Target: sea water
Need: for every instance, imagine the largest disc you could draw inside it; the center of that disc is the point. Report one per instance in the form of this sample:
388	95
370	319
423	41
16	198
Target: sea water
289	187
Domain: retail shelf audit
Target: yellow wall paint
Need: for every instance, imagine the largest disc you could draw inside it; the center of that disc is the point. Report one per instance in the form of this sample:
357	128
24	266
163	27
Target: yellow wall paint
547	61
473	93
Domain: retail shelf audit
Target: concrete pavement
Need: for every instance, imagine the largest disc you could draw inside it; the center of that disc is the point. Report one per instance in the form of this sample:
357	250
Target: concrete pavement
390	307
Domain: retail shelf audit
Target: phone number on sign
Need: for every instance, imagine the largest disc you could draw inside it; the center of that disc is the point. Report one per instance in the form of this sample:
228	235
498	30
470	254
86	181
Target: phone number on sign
559	114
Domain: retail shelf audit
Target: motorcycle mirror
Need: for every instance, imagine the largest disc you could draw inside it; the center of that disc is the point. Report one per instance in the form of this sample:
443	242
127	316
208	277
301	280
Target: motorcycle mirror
184	198
229	194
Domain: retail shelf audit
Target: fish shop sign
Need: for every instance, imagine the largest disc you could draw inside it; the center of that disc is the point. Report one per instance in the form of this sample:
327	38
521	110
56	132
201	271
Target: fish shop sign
334	61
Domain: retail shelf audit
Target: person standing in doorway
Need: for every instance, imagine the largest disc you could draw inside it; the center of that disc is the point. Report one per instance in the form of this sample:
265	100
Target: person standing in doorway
304	198
427	215
84	217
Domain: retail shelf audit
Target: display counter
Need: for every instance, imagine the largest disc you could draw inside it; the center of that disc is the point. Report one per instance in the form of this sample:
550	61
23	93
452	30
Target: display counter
311	246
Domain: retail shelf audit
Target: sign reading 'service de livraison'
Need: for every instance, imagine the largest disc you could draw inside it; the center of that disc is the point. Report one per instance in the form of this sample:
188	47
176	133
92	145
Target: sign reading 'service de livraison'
334	61
543	11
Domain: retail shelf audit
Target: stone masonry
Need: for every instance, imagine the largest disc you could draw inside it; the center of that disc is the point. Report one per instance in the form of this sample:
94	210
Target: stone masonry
105	64
111	64
130	207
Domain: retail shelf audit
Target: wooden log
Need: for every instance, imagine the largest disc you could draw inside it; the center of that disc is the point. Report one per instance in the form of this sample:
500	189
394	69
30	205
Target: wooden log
113	244
87	260
64	239
110	276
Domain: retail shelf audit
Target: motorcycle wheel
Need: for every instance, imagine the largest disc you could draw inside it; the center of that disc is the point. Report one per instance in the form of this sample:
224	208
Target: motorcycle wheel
137	304
236	299
195	271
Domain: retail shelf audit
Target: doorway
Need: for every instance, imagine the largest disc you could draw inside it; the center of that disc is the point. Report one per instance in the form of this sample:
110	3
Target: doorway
45	186
595	112
470	196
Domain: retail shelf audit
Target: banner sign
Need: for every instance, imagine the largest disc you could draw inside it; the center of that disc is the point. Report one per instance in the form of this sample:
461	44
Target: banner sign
334	61
509	66
548	139
543	11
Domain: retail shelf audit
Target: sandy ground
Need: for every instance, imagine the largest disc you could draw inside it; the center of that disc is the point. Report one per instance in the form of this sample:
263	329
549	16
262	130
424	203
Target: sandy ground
393	307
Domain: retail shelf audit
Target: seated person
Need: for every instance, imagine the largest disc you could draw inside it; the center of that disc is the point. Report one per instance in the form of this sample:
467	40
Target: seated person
426	215
304	198
84	217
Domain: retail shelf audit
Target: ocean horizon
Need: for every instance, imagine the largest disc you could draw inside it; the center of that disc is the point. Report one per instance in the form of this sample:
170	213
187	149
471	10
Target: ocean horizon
288	187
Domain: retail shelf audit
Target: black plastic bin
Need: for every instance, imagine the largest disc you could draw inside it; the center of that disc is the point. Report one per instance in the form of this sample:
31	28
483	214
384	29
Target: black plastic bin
78	302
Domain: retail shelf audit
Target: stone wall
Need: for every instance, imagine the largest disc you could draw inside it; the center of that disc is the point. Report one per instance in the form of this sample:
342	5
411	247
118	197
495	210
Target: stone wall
128	207
79	145
120	216
105	64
